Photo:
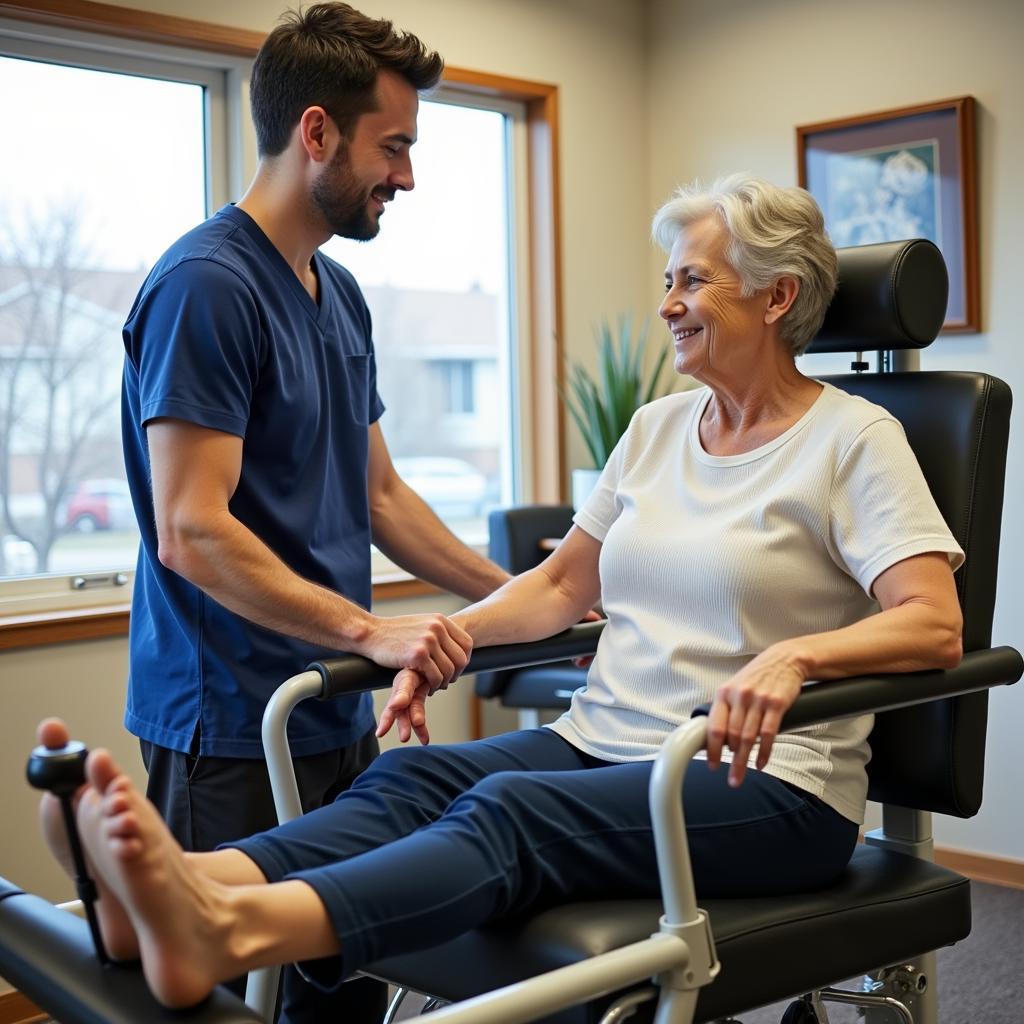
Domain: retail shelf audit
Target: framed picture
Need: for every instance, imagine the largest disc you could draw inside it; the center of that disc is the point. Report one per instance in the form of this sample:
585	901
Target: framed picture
906	173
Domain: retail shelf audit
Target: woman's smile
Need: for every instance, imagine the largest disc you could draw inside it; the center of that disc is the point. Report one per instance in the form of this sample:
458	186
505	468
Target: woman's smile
680	334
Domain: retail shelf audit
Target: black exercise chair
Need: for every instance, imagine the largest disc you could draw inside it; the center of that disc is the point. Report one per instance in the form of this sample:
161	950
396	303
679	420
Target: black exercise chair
890	908
893	905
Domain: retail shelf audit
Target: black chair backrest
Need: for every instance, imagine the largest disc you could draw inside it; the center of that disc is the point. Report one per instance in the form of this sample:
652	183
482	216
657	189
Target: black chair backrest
890	297
515	536
932	756
516	533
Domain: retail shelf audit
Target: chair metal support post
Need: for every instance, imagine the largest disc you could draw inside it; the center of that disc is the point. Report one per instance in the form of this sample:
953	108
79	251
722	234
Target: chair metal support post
682	916
905	830
261	987
285	699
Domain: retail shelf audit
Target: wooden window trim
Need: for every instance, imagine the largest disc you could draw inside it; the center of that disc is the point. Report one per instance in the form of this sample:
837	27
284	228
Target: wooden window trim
541	102
97	623
129	23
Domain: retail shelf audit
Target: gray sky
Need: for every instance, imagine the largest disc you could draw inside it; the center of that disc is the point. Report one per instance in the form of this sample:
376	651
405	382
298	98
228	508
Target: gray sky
128	151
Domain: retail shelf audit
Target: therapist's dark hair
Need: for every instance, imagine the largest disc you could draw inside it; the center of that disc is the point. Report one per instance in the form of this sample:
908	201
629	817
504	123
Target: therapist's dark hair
328	56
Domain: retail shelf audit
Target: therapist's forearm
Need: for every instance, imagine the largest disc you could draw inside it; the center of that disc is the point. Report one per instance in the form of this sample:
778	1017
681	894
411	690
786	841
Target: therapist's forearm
408	531
226	560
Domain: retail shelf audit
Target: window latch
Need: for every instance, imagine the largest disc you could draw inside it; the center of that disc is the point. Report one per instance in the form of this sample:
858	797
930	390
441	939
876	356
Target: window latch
99	579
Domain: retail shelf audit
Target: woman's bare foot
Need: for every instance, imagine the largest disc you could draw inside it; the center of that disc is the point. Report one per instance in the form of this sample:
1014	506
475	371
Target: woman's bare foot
118	932
180	916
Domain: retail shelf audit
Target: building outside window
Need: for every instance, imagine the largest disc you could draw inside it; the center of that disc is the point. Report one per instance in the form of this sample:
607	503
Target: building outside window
456	379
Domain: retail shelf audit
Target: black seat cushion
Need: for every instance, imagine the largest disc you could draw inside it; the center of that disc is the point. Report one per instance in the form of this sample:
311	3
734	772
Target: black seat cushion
48	955
887	907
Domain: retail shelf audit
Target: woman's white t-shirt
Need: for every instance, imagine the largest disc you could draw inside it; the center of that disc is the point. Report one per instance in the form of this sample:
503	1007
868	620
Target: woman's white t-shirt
708	560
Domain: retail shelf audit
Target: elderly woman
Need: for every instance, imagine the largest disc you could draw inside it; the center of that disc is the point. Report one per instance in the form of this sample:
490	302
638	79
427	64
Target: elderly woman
745	537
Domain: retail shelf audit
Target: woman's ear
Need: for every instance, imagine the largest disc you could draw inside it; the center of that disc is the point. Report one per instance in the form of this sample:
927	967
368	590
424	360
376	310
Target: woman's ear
781	296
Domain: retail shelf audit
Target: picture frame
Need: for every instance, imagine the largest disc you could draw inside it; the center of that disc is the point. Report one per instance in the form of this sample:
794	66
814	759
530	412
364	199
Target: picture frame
903	173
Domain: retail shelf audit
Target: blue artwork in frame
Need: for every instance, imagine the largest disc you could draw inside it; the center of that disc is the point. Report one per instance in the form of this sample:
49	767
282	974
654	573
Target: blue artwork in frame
905	173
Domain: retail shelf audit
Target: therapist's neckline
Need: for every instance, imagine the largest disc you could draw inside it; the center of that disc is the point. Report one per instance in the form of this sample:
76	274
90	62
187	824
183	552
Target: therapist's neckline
317	311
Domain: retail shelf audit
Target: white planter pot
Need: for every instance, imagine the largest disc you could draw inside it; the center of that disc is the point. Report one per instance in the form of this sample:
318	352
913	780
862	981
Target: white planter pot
583	482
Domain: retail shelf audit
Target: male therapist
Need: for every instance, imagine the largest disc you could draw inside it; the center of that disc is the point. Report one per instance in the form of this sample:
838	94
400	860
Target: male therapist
256	461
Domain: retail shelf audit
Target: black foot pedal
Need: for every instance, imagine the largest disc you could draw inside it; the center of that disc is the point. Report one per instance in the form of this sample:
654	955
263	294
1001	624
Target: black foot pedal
60	771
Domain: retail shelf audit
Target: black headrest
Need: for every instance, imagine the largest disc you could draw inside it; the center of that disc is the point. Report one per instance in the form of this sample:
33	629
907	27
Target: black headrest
890	296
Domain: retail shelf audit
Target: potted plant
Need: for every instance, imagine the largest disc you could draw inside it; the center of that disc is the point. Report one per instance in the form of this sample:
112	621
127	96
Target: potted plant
603	407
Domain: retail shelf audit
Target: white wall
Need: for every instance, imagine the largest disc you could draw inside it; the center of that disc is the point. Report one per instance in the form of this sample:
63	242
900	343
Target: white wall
729	82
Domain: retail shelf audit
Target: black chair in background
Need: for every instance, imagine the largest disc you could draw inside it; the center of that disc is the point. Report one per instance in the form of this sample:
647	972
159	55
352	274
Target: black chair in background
517	535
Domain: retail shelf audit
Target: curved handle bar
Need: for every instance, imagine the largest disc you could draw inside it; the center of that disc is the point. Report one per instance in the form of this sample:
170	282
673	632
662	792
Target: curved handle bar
353	674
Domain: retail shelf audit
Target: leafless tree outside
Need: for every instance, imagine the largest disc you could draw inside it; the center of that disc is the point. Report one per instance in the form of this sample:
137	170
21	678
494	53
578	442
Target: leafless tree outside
58	379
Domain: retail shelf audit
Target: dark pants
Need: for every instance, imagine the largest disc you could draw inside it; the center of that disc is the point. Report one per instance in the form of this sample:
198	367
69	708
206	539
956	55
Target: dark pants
209	801
430	842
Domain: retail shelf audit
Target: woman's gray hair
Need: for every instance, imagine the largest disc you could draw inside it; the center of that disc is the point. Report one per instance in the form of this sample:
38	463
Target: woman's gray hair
773	232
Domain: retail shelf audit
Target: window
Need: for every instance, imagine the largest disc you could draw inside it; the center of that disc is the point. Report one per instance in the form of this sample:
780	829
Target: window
440	281
79	228
495	402
456	381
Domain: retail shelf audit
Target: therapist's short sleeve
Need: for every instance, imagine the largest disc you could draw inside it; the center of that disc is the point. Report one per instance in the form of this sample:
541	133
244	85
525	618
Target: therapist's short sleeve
196	341
880	509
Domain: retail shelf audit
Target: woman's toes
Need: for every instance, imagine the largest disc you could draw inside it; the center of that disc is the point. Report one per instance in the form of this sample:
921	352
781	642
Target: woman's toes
126	848
52	733
123	825
101	770
116	803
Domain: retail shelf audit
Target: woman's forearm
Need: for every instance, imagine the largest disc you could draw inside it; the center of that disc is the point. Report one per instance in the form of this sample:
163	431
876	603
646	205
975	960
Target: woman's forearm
910	638
542	601
918	628
528	607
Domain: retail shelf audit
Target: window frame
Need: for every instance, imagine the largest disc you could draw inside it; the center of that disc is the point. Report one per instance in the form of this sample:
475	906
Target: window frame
182	42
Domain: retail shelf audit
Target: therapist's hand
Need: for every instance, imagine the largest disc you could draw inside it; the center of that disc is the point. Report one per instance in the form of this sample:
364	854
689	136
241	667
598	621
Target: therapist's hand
431	645
749	707
407	707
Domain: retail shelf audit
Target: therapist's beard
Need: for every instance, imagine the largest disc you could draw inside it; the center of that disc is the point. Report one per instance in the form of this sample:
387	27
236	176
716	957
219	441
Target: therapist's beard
343	203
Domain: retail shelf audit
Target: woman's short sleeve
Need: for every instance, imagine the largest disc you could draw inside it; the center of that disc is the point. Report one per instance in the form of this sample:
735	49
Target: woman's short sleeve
880	509
602	508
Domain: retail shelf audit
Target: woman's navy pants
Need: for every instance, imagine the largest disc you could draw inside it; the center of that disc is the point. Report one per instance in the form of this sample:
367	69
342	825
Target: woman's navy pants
430	842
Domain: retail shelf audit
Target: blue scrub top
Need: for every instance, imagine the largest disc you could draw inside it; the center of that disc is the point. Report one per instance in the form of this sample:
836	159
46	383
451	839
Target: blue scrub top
224	335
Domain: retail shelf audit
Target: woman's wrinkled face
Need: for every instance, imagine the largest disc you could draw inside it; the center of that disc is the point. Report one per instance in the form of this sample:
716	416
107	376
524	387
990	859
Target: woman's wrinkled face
716	330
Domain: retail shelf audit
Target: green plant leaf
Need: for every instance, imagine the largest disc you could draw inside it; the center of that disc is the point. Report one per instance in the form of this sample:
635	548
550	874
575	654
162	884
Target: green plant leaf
603	405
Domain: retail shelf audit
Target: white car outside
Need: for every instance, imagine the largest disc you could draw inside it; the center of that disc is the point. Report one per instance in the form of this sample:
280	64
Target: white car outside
451	487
